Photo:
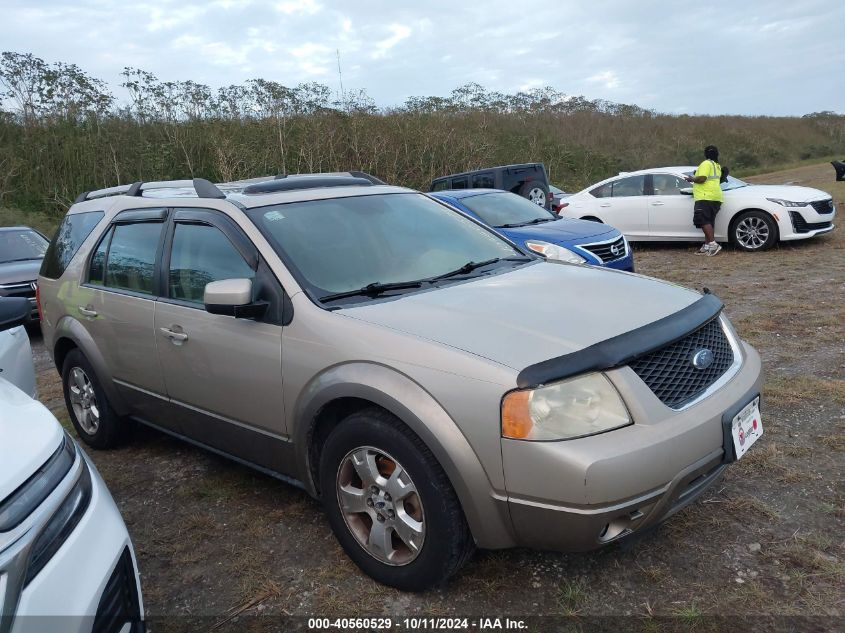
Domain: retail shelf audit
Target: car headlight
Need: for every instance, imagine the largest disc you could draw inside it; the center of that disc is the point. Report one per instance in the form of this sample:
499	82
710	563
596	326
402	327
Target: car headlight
566	410
553	251
787	203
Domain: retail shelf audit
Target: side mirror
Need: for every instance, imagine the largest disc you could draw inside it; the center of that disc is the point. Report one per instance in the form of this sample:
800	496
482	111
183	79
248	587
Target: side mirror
233	297
14	311
687	191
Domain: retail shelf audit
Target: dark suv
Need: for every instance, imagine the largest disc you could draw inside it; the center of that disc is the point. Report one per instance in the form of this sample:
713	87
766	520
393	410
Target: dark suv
21	252
528	180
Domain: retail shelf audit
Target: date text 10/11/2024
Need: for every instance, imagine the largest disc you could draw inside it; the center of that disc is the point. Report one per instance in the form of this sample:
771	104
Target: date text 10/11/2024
416	624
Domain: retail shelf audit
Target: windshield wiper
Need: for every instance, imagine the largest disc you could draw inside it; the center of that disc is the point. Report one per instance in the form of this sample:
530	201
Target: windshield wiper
371	290
470	266
530	222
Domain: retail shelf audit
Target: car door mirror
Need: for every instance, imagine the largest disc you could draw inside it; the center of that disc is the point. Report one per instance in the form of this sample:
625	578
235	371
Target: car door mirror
233	297
14	311
687	191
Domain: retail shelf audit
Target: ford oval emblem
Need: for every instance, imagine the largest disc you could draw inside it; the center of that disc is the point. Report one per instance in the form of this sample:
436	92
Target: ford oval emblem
703	358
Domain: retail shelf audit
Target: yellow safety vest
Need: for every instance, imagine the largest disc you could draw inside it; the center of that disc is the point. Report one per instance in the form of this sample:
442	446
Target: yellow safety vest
710	189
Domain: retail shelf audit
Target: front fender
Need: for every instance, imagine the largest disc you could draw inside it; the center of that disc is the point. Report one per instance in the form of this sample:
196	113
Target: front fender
486	512
71	329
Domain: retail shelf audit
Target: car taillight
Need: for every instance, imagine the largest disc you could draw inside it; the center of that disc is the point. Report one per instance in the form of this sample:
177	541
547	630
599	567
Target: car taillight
562	206
38	301
551	196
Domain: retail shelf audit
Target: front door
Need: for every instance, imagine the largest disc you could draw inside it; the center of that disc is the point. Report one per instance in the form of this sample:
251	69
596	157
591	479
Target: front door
670	211
223	375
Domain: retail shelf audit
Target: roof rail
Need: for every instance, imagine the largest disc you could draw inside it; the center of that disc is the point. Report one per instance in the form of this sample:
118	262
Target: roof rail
309	182
202	187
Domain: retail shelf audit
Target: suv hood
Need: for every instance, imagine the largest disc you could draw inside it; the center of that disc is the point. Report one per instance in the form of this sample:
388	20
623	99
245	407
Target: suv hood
559	230
536	312
16	272
793	193
29	435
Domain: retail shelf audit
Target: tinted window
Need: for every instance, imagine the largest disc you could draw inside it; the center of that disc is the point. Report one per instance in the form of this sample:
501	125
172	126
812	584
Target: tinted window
343	244
483	181
459	183
602	191
131	256
668	185
631	186
202	254
18	245
499	209
439	185
96	272
73	231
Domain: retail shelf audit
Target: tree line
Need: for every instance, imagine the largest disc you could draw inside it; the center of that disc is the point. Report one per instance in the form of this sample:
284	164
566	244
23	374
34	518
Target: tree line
63	131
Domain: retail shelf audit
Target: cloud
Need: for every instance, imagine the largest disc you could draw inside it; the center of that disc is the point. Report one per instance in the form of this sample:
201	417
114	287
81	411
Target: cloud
290	7
608	78
399	33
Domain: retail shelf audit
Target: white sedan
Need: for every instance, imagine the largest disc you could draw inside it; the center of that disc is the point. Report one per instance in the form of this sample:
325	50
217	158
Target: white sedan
656	205
66	561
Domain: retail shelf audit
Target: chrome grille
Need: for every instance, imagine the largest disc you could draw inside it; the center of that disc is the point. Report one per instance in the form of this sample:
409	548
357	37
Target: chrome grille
607	251
669	372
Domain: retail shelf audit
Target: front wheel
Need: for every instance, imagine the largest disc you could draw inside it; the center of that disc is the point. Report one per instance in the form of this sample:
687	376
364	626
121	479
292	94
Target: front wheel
390	504
754	231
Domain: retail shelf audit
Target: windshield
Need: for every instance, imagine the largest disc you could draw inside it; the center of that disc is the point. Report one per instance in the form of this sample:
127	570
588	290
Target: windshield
21	245
730	183
343	244
506	209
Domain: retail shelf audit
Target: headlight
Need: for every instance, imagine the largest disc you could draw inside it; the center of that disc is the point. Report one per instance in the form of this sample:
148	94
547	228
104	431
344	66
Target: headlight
569	409
787	203
553	251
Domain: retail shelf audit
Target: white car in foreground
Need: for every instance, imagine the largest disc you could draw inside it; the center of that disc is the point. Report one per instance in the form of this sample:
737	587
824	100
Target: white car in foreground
656	204
66	561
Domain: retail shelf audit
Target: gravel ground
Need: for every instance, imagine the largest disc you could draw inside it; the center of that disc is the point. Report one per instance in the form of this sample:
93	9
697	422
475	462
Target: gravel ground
764	549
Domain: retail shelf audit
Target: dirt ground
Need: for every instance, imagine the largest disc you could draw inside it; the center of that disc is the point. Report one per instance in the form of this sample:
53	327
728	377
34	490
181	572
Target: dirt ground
764	547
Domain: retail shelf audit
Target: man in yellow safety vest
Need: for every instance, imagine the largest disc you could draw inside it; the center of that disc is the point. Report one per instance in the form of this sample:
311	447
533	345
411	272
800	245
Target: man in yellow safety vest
707	193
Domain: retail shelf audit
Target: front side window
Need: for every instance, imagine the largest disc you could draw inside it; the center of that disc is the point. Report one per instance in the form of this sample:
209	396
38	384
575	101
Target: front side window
131	256
440	185
668	185
626	187
343	244
483	181
201	254
459	183
75	228
20	245
507	210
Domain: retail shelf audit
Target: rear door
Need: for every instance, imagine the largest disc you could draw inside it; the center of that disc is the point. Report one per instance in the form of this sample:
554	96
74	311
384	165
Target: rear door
622	204
670	211
223	375
117	307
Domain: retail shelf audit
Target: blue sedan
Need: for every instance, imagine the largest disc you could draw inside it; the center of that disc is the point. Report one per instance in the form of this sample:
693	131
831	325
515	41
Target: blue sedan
533	227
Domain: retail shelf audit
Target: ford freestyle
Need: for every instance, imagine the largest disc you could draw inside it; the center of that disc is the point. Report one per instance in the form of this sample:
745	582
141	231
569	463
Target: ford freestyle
437	387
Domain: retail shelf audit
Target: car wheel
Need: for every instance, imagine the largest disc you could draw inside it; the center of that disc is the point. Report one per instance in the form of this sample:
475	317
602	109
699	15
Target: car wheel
536	192
390	504
754	231
92	416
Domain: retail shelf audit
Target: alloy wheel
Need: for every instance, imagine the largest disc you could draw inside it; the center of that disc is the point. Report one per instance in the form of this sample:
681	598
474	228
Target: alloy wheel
537	196
752	232
83	400
380	505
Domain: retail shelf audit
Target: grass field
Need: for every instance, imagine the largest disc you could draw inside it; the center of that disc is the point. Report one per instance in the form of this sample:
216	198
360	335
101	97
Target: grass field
763	550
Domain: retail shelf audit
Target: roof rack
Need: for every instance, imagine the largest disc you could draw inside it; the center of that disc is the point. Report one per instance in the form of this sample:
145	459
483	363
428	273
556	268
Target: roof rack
202	187
306	182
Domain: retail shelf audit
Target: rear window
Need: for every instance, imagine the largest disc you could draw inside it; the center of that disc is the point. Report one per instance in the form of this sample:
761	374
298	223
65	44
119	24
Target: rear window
74	230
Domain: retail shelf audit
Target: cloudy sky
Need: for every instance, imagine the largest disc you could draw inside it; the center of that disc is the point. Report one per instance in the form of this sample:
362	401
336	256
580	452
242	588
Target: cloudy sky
746	57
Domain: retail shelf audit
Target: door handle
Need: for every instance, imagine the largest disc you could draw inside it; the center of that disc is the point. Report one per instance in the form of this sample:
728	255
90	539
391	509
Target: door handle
604	204
87	312
657	204
177	337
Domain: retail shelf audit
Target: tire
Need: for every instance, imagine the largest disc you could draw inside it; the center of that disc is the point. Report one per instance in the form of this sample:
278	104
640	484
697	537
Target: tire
754	231
375	438
533	191
95	421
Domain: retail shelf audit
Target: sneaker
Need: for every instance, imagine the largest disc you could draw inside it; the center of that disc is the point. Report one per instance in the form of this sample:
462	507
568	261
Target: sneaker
703	250
713	248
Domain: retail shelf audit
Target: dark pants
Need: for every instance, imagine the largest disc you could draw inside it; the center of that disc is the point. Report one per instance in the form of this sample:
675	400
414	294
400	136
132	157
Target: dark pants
704	212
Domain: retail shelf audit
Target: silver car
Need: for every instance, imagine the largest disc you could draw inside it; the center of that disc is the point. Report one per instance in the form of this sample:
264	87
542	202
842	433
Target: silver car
436	387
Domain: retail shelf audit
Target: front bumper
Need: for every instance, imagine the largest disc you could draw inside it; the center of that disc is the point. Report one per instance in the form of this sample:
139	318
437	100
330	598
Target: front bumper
95	562
801	223
579	495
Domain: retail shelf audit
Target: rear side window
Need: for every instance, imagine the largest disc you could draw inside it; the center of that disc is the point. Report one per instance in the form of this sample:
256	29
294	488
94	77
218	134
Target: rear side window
483	181
202	254
130	257
74	230
460	183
